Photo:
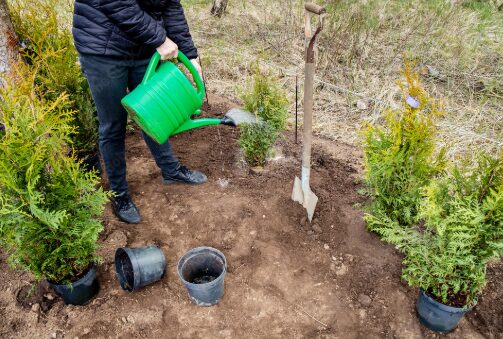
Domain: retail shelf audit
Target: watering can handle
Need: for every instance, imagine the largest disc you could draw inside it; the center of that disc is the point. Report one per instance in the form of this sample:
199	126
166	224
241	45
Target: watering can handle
156	58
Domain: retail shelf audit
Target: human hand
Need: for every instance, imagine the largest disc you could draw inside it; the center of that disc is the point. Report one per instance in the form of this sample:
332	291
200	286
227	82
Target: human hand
168	50
197	66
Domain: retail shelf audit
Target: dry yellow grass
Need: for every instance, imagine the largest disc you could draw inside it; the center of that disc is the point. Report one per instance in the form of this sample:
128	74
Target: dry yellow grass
456	47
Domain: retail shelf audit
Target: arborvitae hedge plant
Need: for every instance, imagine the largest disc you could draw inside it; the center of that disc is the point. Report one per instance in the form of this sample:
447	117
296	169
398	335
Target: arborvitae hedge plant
462	230
47	43
268	101
48	205
400	156
256	140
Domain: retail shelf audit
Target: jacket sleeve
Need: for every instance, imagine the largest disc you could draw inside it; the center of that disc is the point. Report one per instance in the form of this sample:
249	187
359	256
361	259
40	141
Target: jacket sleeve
177	28
134	21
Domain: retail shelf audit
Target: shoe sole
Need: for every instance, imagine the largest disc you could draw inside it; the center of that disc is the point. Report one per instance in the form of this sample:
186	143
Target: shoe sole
174	182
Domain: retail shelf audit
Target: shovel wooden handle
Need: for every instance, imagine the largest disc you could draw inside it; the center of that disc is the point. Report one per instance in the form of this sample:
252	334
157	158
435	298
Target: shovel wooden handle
314	8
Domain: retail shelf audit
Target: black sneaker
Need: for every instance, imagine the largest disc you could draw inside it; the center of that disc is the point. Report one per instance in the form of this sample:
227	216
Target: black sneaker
125	209
184	175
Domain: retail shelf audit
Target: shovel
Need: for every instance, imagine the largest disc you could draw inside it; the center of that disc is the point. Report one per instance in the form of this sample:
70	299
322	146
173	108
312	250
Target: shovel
301	190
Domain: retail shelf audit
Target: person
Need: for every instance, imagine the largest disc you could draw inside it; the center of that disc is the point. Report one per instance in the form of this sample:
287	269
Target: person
115	40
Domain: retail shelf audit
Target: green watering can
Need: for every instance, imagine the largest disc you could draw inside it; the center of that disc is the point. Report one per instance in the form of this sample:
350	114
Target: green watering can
165	100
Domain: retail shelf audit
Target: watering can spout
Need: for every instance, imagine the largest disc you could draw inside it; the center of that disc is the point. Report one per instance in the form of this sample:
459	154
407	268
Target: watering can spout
162	105
196	123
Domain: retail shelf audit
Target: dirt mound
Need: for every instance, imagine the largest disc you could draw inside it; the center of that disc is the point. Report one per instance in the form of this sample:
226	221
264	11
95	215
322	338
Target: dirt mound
287	278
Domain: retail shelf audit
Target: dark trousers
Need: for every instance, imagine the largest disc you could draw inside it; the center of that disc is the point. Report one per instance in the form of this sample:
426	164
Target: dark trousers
108	79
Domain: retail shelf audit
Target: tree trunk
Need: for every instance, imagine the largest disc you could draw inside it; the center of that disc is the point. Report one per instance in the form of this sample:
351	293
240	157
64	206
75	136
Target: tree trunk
219	7
8	40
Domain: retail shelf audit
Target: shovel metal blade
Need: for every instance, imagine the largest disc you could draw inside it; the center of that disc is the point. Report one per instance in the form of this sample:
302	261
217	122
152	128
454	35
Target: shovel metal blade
304	197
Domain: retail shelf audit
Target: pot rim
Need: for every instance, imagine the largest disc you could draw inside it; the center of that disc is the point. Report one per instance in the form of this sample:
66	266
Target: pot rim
134	266
90	271
187	256
445	307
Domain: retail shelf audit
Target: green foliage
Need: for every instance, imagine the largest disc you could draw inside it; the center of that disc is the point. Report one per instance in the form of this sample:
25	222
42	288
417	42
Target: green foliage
48	204
269	103
50	46
256	140
267	100
399	156
462	231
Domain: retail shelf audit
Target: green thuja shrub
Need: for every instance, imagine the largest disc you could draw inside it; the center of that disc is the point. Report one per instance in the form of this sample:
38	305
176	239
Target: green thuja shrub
50	45
400	156
462	231
266	99
268	102
256	140
48	205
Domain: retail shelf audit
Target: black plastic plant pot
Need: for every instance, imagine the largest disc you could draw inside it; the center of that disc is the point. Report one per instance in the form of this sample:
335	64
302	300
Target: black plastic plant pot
202	271
437	316
138	267
81	291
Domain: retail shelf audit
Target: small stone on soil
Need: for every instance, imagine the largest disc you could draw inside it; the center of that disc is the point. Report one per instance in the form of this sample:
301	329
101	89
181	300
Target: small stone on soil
257	169
317	228
361	105
49	296
364	300
35	307
303	221
124	320
130	319
326	246
54	335
310	232
341	270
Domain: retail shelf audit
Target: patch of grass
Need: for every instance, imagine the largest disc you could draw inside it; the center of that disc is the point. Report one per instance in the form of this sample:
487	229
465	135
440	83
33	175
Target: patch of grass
360	54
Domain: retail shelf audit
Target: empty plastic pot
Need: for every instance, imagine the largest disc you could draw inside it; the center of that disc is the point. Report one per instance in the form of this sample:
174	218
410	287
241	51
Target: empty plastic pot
202	271
138	267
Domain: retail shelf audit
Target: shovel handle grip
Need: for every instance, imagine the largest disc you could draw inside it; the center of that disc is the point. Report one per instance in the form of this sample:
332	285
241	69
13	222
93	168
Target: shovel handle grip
314	8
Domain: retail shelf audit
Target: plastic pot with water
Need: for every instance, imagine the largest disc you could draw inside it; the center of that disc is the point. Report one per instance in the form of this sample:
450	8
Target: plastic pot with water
202	271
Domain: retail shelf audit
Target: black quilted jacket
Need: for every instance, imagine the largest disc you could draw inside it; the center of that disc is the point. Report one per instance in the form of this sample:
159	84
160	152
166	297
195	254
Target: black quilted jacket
130	28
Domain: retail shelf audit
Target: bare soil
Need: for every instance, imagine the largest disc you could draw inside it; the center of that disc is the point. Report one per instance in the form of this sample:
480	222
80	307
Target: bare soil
286	278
